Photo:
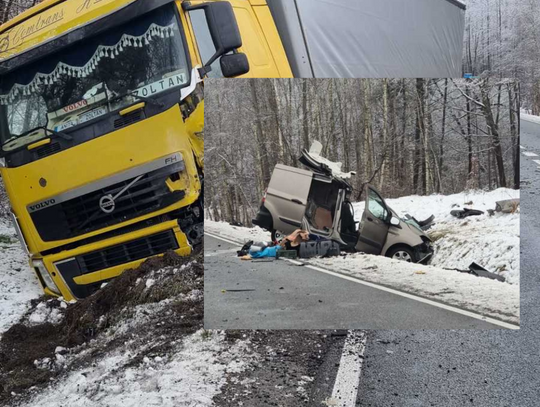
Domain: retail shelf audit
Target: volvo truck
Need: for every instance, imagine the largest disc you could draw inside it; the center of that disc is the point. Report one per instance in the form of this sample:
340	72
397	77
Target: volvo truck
101	134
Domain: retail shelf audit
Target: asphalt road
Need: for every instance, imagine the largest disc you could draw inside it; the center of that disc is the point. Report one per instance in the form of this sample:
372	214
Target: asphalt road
280	295
472	368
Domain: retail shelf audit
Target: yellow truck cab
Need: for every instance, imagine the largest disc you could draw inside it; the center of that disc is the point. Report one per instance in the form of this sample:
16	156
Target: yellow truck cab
101	137
101	131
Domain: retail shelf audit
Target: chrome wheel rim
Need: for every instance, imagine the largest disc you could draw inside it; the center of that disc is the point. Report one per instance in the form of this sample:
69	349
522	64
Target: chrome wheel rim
403	256
279	235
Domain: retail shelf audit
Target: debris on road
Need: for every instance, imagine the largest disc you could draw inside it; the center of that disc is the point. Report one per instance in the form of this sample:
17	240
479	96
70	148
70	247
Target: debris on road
298	244
324	248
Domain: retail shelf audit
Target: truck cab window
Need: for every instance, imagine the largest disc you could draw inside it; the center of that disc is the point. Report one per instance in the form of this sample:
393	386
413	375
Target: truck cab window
204	41
93	78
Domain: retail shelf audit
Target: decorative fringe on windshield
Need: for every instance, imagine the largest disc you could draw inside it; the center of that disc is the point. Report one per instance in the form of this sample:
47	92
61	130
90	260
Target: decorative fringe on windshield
103	51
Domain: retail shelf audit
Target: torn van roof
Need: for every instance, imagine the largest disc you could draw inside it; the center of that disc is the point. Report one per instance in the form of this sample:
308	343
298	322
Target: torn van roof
313	160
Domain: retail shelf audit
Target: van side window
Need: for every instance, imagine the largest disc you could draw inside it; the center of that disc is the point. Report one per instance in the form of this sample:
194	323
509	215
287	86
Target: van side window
204	41
376	206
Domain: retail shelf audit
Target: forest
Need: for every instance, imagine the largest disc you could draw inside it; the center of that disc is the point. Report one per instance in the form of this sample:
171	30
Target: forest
404	136
502	37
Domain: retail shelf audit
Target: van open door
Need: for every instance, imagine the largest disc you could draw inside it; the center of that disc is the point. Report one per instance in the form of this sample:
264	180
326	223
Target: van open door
375	223
287	195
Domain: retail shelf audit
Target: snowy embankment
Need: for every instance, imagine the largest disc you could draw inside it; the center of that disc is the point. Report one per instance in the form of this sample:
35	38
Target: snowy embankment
192	374
492	242
530	117
18	283
137	341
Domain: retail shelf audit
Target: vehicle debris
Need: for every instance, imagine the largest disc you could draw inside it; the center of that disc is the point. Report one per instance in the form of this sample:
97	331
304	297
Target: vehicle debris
507	206
465	212
425	224
480	271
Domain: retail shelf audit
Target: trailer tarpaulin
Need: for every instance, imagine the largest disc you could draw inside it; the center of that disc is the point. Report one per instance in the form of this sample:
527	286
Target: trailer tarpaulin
372	38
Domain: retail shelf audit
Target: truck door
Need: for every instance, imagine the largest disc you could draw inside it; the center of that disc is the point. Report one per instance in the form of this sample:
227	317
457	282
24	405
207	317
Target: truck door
260	40
286	197
375	223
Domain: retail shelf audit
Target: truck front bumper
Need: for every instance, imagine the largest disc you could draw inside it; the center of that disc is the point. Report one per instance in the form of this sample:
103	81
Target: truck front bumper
80	272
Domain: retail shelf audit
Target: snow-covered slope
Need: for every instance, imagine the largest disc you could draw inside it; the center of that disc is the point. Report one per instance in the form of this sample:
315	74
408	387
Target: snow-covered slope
18	283
490	241
189	375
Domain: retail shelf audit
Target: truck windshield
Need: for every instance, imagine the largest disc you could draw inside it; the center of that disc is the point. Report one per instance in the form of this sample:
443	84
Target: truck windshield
93	77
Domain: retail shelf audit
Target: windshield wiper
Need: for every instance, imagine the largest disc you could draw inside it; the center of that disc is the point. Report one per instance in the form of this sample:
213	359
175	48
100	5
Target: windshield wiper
143	98
59	134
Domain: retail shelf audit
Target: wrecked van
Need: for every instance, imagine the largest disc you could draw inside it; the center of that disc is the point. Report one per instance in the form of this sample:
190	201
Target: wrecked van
317	199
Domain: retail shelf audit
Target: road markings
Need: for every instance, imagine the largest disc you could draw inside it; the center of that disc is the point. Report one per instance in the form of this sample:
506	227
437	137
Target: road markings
347	381
437	304
219	252
221	238
528	154
523	148
536	161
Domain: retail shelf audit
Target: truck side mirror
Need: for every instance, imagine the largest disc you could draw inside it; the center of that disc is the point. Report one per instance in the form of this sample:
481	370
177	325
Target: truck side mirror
394	221
223	30
234	65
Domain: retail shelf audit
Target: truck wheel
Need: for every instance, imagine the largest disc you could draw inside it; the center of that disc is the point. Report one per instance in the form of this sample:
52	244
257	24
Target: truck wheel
277	235
401	253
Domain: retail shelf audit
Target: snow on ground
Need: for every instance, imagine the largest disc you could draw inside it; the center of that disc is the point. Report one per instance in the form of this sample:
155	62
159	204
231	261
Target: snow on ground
237	233
530	117
482	295
18	283
190	376
46	312
492	242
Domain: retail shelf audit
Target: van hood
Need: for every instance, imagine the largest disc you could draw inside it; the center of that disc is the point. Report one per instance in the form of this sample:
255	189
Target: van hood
317	163
411	224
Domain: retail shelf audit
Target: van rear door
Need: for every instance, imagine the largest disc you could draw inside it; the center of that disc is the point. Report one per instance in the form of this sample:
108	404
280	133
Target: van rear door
286	196
375	223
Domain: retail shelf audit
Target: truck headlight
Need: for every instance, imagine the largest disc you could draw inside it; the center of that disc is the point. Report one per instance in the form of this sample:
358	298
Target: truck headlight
46	277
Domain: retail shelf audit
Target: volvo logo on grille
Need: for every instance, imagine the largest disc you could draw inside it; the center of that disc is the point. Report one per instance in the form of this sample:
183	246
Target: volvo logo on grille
106	203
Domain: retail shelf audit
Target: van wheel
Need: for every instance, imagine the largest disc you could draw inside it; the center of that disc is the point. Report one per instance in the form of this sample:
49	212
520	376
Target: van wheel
401	253
277	235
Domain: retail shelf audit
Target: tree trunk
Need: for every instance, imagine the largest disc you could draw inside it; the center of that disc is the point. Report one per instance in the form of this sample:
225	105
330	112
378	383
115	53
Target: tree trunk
494	130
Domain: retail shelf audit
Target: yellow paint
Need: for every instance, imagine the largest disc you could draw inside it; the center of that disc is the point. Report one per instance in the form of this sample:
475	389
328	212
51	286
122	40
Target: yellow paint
53	22
260	40
132	109
113	153
39	144
184	250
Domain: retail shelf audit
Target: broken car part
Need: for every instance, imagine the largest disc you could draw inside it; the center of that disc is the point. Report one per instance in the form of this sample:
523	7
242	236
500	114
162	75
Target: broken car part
465	212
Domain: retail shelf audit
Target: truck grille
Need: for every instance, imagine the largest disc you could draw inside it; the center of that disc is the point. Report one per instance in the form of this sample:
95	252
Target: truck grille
128	252
83	214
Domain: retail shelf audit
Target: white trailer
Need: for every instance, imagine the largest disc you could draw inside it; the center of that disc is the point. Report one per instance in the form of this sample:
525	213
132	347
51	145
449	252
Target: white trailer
371	38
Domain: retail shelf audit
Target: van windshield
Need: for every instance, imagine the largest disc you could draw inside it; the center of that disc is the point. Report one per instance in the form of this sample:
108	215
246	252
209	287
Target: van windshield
92	78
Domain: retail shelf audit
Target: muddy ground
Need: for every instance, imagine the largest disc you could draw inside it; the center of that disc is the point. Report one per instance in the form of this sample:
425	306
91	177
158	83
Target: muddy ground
294	368
31	355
